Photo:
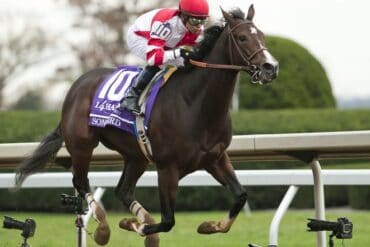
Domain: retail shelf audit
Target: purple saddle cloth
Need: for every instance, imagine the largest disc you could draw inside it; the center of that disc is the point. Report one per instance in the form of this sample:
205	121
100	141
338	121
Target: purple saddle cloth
104	109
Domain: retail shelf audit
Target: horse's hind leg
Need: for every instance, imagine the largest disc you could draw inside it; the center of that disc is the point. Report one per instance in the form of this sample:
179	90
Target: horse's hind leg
133	170
224	173
80	166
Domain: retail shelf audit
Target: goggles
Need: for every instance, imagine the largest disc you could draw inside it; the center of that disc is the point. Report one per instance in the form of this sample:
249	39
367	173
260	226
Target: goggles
194	21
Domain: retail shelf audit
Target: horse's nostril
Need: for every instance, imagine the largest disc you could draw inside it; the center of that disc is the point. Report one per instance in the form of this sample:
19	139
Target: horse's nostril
268	67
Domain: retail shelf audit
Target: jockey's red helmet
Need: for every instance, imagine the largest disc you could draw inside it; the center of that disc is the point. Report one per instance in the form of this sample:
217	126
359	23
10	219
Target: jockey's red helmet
196	8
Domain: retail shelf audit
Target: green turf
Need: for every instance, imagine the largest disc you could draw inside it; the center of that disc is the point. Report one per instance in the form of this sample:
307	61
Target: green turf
58	230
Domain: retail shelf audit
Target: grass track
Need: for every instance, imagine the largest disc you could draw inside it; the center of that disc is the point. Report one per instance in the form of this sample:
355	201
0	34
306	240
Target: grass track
57	230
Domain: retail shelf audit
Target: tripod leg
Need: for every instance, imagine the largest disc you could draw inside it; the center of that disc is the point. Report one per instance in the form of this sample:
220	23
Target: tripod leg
79	225
25	244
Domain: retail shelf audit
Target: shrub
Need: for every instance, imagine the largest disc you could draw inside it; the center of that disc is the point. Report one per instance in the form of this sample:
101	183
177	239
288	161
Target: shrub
302	81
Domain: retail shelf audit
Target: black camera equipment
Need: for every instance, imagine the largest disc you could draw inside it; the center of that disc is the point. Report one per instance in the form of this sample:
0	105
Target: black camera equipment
27	227
75	204
72	203
342	229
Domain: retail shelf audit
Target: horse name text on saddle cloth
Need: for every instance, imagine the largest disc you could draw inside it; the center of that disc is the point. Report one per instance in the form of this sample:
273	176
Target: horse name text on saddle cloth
104	109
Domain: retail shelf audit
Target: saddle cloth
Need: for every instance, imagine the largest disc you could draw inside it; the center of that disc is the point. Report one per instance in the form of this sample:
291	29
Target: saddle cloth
104	108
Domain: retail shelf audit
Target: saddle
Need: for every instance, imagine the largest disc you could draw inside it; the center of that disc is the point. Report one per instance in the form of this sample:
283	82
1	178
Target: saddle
163	75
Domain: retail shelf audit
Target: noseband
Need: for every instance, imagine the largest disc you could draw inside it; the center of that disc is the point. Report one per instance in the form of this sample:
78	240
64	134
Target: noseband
251	68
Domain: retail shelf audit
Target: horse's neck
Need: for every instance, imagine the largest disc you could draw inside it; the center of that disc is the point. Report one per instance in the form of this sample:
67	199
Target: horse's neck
217	84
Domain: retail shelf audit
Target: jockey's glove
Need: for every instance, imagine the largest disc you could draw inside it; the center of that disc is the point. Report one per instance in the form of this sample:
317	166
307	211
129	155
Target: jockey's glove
186	54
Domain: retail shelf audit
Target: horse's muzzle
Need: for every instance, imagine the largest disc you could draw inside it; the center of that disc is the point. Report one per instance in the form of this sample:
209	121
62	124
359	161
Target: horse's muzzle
268	72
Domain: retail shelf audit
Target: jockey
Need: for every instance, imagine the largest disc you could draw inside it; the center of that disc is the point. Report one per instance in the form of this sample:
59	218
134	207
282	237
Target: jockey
157	36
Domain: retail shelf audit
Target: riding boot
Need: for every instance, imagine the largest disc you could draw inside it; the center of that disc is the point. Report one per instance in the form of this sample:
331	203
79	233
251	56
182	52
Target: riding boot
130	101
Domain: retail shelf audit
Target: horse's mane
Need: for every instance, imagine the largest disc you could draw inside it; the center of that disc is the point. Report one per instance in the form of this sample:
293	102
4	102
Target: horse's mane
212	33
210	36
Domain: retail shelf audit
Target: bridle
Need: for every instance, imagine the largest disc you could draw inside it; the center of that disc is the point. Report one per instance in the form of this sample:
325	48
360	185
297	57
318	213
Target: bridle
246	59
249	67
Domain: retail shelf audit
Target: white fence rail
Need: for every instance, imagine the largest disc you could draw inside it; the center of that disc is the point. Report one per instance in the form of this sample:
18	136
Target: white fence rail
328	145
321	145
199	178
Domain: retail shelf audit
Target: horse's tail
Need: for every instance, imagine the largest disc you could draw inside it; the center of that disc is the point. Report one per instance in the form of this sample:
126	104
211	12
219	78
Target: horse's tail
44	153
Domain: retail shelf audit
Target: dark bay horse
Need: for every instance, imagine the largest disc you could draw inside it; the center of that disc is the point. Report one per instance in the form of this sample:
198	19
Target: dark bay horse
190	129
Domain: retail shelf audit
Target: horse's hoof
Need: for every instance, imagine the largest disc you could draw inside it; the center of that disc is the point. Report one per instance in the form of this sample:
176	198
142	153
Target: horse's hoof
152	240
207	227
126	224
102	234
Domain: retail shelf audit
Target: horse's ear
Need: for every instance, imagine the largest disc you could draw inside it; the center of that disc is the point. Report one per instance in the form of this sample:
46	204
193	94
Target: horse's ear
250	13
229	18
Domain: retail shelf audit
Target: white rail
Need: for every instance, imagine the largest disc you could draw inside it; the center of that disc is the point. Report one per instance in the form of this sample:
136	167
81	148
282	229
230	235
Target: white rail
327	145
198	178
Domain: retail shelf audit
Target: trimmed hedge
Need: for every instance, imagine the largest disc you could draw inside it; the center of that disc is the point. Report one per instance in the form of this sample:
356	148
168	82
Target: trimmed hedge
302	81
25	126
28	126
303	120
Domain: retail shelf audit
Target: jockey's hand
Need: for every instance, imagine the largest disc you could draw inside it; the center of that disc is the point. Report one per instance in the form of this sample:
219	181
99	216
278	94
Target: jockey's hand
186	54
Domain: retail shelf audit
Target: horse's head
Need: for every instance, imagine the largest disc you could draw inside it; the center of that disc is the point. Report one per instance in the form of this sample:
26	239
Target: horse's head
246	47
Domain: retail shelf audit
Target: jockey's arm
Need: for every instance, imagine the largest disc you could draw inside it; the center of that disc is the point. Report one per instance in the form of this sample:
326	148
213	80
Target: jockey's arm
156	53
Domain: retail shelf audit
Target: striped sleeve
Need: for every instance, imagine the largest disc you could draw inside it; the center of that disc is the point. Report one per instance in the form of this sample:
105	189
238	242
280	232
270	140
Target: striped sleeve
155	51
159	33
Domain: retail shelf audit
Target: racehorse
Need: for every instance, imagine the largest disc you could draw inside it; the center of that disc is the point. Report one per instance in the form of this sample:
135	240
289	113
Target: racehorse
190	129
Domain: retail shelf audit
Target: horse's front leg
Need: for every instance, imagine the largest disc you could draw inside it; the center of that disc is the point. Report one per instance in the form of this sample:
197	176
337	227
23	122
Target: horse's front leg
102	232
80	165
133	169
224	173
168	180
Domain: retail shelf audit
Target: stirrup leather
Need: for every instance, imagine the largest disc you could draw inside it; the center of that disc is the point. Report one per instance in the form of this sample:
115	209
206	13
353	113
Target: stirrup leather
142	138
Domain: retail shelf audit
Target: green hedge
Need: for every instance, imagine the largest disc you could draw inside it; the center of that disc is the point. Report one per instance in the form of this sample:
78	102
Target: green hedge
27	126
302	81
24	126
308	120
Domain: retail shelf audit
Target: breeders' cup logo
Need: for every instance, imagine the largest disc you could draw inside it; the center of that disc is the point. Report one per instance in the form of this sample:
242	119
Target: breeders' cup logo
105	106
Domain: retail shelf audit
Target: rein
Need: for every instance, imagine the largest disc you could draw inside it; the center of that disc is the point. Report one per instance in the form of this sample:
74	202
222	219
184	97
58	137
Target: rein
219	66
249	67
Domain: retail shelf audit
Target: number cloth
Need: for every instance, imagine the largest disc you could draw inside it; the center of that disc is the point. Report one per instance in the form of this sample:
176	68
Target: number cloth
104	108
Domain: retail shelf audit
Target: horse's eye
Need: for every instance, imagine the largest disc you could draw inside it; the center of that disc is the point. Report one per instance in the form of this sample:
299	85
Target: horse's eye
242	38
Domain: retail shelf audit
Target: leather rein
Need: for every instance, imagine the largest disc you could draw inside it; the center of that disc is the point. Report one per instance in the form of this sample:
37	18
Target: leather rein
247	59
